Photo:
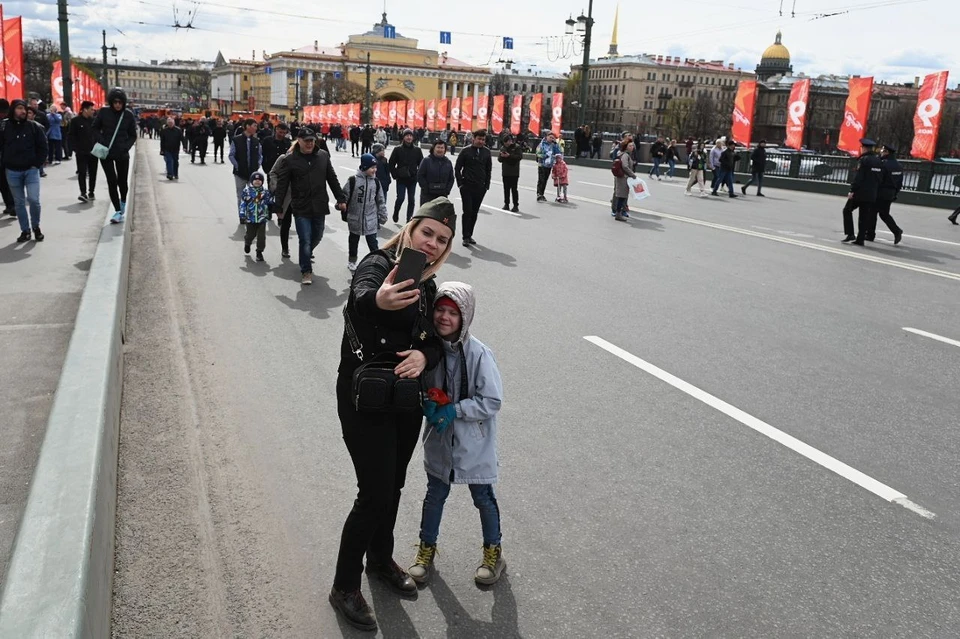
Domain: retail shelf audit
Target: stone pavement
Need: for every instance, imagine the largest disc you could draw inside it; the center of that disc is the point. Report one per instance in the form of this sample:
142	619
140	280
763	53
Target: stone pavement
40	288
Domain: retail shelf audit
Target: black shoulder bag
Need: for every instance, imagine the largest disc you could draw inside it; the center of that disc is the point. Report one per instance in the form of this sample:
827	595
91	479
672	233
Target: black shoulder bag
376	387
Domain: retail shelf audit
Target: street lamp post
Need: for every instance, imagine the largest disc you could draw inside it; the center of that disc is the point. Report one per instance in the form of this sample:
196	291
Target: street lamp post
113	50
585	26
368	108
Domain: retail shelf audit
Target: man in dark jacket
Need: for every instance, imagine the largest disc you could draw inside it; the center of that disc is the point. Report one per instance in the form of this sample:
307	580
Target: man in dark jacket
473	171
404	164
510	156
354	141
246	155
366	139
23	146
435	175
219	132
891	181
199	137
306	173
728	163
171	137
275	146
383	168
758	164
863	194
658	151
82	139
8	206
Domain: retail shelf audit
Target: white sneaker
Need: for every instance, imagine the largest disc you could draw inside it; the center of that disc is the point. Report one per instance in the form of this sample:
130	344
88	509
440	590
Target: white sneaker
351	266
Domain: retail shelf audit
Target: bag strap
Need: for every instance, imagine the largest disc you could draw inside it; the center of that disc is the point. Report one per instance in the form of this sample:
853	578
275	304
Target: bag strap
122	113
352	181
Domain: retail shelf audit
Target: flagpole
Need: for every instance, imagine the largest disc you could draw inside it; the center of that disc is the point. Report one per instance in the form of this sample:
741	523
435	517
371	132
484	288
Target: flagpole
65	64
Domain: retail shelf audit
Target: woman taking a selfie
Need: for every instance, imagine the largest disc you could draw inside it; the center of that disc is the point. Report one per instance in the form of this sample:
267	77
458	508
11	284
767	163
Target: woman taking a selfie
386	323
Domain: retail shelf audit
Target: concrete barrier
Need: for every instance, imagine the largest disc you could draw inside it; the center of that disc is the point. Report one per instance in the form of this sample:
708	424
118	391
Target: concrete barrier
60	578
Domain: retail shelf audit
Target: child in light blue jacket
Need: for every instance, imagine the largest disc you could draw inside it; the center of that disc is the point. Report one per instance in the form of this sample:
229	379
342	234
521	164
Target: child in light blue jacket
460	442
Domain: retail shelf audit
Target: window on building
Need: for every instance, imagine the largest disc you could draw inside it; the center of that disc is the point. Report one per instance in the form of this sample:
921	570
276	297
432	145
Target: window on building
524	86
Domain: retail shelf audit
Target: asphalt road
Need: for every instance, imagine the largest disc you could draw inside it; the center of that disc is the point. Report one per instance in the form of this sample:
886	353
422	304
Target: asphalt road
668	503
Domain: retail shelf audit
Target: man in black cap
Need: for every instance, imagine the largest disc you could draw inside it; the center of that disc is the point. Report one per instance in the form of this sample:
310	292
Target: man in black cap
891	181
275	146
306	173
863	194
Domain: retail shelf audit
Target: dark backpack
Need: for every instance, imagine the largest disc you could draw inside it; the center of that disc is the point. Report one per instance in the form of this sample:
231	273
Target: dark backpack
617	167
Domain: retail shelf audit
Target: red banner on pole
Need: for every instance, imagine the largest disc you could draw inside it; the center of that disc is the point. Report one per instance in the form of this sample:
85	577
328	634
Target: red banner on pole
13	57
411	114
432	115
340	116
418	110
516	114
376	114
556	120
483	109
536	111
926	119
454	114
855	115
442	114
466	115
3	64
496	116
401	114
391	113
797	113
743	107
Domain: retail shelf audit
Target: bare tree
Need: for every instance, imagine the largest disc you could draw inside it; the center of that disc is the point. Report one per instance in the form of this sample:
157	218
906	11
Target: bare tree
679	116
39	55
896	125
196	86
949	141
703	116
329	90
499	84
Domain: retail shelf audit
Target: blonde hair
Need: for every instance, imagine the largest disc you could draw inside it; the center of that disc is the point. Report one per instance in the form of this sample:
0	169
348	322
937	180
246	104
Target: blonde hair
404	239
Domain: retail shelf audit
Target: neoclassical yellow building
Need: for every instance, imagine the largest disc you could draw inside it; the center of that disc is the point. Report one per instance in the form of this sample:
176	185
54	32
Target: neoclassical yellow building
399	70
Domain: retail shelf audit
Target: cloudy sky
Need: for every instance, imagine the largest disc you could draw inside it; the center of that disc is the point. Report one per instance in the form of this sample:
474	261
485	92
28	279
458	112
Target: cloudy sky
894	40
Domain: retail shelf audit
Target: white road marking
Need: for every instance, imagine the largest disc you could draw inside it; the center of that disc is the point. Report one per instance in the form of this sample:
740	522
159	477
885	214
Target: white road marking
857	255
794	444
939	338
605	186
500	210
920	237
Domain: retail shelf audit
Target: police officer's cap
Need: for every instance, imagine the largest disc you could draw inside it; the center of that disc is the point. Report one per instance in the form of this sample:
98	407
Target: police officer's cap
867	142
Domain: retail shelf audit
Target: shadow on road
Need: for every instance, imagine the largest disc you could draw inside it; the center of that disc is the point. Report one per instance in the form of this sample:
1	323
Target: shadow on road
489	255
317	299
504	619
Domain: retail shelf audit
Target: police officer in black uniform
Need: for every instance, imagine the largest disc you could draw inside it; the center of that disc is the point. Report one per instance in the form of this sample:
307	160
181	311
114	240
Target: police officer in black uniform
891	181
863	194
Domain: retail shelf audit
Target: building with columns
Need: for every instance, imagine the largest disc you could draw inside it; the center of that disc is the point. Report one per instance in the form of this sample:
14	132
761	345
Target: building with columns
399	70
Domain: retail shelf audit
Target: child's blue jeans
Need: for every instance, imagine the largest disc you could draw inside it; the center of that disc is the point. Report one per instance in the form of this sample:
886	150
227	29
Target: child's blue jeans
483	498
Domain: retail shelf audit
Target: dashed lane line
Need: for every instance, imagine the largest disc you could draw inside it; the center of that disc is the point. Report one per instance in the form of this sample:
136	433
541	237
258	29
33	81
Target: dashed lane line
830	463
939	338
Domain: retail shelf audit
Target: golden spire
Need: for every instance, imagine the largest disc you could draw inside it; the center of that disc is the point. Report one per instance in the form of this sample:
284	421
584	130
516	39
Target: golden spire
613	41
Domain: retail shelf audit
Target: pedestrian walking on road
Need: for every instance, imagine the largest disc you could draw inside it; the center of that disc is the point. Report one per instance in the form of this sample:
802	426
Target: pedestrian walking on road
474	170
306	175
452	141
116	127
384	320
863	195
82	138
435	175
510	157
219	133
54	136
171	137
355	141
404	163
379	151
23	147
366	138
671	157
546	151
282	208
275	146
714	164
596	145
697	161
366	208
953	216
246	155
758	164
199	140
460	440
658	152
621	189
891	181
728	163
255	204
